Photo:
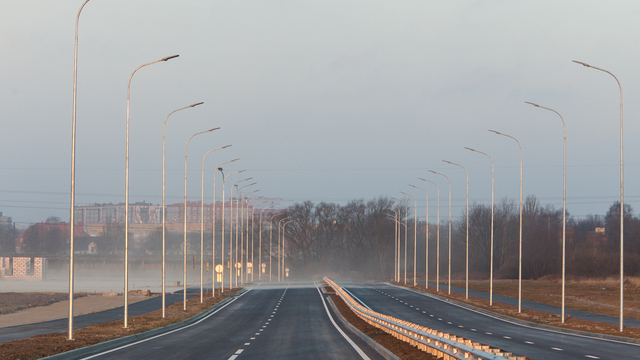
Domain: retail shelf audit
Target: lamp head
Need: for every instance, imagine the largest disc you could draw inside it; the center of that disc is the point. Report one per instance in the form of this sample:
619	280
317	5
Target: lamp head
431	171
196	104
448	162
495	132
169	57
220	169
530	103
210	130
469	149
226	146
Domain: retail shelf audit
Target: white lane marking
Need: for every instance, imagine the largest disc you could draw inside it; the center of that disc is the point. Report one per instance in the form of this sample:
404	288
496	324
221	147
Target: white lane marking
439	319
511	322
488	333
168	332
253	338
424	312
507	337
260	329
474	330
431	315
556	349
247	344
460	326
449	322
529	342
358	350
257	333
592	357
233	357
239	351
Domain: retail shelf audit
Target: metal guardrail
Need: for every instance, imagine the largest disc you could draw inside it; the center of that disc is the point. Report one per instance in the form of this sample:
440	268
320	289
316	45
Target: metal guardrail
437	343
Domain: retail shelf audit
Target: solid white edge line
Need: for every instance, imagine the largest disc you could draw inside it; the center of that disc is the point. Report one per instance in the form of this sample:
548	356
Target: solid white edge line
358	350
515	323
167	333
357	299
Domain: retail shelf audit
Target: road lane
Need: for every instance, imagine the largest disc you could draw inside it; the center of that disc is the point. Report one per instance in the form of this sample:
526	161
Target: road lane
82	321
526	341
261	324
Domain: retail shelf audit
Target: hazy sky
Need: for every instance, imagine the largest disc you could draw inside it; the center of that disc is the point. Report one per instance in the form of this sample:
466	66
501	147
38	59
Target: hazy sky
321	100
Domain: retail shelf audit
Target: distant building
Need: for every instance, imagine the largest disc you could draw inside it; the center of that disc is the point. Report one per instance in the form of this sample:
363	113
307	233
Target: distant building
23	268
5	221
49	237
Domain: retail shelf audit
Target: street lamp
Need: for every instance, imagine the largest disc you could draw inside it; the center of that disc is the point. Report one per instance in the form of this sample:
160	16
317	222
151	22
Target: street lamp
467	256
224	179
252	231
280	257
621	200
564	198
202	221
437	239
415	233
284	273
164	125
520	246
426	275
449	226
73	173
213	245
406	229
233	261
242	219
271	243
491	270
184	263
395	256
260	240
126	198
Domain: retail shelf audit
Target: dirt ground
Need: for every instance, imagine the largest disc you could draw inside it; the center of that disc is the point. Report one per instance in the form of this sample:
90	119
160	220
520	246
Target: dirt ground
39	307
585	296
400	348
41	346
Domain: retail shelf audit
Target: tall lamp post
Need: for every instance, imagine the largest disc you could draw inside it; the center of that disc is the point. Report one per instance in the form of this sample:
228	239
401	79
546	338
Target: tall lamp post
449	225
437	238
564	198
284	273
467	254
213	244
280	256
126	198
73	173
233	261
415	234
621	199
164	126
202	221
395	238
242	232
184	263
253	265
224	179
406	229
271	244
426	255
260	246
520	245
492	184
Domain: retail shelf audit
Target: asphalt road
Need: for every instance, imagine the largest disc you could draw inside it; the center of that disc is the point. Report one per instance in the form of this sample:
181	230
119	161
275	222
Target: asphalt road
274	323
614	320
534	343
62	325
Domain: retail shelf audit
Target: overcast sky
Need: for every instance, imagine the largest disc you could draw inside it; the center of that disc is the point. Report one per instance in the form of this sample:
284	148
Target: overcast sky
321	100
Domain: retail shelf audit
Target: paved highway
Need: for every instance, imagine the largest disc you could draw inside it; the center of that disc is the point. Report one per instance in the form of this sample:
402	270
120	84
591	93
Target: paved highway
521	340
271	323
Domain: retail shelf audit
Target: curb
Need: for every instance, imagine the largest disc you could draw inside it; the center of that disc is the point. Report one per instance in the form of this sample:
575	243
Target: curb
384	352
107	345
522	322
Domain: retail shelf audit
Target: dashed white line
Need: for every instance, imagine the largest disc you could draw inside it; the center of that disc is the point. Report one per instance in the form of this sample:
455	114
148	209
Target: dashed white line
592	357
529	342
507	337
556	349
247	344
488	333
